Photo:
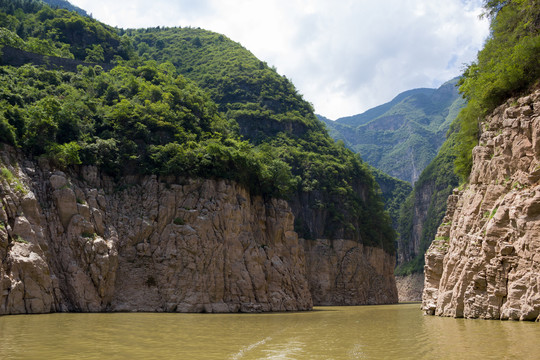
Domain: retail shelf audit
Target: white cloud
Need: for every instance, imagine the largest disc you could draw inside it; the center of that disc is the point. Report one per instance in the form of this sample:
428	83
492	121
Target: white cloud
345	56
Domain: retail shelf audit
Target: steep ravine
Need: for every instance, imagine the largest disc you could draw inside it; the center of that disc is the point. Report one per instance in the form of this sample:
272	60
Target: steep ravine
80	241
485	260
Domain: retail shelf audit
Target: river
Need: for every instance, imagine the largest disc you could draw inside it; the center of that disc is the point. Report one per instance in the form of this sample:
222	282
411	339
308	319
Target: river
360	332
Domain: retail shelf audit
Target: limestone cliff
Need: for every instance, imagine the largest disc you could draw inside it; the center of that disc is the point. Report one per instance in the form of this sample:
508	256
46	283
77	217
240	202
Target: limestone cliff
84	244
339	268
410	287
485	260
344	272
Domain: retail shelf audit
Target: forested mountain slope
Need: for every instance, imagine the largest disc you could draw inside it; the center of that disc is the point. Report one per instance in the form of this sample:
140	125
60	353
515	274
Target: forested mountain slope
64	4
394	192
402	136
186	107
273	116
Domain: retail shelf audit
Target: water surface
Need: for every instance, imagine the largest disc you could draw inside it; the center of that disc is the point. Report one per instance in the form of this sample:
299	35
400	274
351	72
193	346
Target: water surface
361	332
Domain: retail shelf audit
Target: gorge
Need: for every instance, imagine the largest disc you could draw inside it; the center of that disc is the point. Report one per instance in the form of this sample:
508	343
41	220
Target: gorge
170	170
196	180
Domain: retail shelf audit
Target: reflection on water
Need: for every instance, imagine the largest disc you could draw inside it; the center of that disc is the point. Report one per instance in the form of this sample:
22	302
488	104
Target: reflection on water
363	332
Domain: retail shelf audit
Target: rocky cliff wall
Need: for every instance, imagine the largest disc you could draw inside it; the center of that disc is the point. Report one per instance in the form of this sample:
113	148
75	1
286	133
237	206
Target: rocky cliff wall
344	272
83	244
485	260
410	287
409	244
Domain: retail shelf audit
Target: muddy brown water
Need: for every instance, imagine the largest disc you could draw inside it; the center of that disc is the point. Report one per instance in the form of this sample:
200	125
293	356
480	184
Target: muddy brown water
360	332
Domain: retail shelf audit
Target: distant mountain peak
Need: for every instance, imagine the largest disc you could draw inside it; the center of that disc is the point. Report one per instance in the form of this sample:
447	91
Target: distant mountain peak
403	135
64	4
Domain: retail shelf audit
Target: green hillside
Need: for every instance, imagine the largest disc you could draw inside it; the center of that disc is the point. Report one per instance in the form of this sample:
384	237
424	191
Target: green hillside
401	137
64	4
507	66
180	101
272	115
35	27
394	193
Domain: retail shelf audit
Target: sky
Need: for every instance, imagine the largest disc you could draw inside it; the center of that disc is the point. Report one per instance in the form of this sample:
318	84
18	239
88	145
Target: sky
343	56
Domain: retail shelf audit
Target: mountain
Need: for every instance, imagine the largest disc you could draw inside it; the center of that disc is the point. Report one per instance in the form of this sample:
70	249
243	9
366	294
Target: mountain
271	114
64	4
190	114
402	136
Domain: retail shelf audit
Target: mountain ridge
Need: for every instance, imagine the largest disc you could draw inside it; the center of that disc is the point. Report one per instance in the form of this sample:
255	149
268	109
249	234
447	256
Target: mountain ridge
410	126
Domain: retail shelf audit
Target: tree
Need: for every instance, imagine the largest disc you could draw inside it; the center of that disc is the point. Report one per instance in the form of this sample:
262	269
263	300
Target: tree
95	54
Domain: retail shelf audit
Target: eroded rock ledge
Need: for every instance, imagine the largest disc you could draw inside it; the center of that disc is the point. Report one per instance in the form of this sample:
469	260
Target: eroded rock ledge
485	260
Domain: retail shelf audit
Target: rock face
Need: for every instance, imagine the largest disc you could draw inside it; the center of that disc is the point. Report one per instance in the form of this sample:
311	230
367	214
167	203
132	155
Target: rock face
408	249
80	244
485	260
344	272
410	287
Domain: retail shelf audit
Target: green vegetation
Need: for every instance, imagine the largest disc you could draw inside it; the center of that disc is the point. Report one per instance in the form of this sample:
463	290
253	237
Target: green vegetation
426	207
88	235
33	26
64	4
144	119
271	115
11	179
7	174
507	66
402	137
179	221
184	102
19	239
394	193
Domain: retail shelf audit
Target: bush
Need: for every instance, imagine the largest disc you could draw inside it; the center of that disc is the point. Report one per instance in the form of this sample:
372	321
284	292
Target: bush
64	155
